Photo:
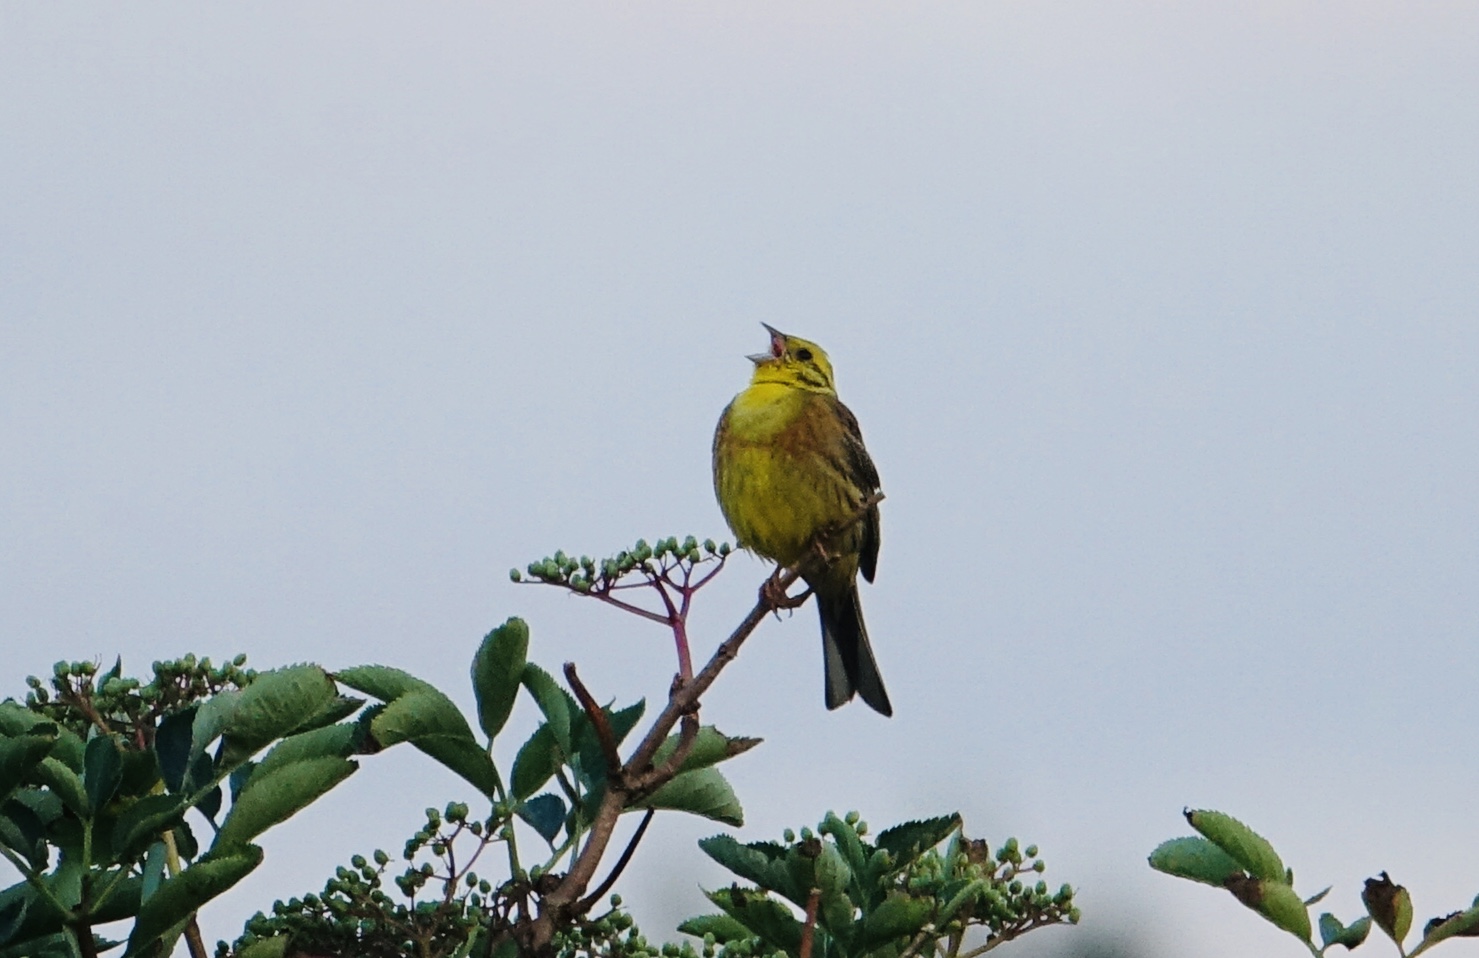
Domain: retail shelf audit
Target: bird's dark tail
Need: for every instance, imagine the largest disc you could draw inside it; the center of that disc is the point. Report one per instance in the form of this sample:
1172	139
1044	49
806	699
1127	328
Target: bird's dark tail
847	658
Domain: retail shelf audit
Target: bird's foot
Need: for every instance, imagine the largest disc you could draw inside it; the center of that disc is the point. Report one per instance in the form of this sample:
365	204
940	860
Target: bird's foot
773	594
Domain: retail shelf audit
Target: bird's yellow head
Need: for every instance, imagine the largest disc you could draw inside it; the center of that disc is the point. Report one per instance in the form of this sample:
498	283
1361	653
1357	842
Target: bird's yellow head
793	361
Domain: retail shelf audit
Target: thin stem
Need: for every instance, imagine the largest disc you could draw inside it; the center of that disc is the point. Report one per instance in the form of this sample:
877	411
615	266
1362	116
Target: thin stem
34	880
597	715
621	863
809	930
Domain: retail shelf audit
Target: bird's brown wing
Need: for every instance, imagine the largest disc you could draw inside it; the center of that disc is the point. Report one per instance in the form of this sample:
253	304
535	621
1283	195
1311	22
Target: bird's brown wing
864	475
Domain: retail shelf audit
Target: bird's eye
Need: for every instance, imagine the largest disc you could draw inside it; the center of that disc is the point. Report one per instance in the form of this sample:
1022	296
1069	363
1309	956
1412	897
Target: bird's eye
804	355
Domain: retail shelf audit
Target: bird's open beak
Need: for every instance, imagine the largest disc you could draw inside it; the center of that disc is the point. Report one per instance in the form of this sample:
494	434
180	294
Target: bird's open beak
777	346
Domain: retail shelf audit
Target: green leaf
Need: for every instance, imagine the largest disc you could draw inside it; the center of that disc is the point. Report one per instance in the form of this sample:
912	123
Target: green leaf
154	862
172	746
764	916
710	747
702	791
907	841
209	720
831	876
1332	932
1459	924
274	947
65	783
12	913
332	741
144	821
898	916
420	713
179	897
430	721
22	831
535	763
1195	858
497	669
557	705
102	770
19	756
1250	849
1275	901
275	704
274	796
851	847
764	863
381	681
1389	906
546	814
724	928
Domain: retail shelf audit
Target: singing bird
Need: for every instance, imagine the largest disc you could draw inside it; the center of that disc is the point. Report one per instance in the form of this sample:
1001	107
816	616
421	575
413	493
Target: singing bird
789	466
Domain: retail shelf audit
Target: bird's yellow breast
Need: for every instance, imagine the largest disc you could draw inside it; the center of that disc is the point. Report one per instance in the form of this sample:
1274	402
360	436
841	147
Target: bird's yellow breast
775	469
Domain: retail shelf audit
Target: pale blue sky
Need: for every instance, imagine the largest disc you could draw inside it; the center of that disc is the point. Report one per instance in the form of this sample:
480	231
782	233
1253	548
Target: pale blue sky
1159	319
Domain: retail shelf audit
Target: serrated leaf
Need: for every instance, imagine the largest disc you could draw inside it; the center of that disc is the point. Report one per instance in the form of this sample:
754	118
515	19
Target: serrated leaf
898	916
274	947
908	841
558	706
710	747
432	723
703	791
832	876
497	669
381	681
102	770
1459	924
12	914
179	897
1246	846
22	831
332	741
1195	858
724	928
1275	901
210	719
763	863
545	814
143	822
764	916
274	796
420	713
65	784
535	763
275	704
19	756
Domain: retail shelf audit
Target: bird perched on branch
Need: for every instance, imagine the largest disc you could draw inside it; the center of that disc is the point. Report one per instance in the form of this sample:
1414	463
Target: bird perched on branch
796	485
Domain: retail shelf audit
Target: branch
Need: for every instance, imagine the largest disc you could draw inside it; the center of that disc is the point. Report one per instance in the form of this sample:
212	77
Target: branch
597	715
637	775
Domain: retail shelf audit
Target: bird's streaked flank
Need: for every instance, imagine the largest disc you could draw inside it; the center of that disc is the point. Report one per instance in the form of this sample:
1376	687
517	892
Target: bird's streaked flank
795	482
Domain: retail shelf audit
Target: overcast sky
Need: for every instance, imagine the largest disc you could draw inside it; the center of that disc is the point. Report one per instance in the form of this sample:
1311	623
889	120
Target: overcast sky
1159	319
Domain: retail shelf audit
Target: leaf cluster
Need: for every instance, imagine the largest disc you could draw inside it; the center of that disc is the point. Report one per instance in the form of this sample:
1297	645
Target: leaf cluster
1228	854
98	773
920	888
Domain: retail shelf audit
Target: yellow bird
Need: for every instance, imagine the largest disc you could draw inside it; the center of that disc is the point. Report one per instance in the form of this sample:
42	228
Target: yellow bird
789	465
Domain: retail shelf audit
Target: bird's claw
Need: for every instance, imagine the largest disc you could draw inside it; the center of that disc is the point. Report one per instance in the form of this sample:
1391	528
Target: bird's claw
773	594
